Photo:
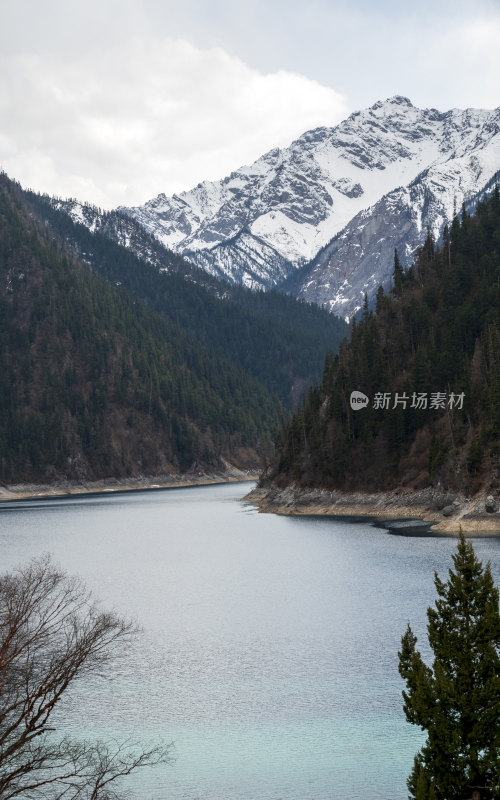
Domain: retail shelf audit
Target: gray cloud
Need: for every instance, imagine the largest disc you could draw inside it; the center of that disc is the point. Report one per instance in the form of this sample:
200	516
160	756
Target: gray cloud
114	102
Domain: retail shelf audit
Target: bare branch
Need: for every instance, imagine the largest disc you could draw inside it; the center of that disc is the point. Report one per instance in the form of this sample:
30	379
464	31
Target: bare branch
51	635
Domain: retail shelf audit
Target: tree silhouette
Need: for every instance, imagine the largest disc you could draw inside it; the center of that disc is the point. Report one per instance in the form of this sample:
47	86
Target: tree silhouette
457	700
51	635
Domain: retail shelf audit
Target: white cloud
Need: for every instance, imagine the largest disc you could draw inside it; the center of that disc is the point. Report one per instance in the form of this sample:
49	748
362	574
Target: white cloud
87	110
120	125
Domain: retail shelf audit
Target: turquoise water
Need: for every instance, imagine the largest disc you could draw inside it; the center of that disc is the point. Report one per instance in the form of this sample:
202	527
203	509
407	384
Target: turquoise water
269	645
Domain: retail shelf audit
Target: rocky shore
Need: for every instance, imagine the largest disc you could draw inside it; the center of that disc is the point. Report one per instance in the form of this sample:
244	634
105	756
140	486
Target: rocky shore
446	512
64	488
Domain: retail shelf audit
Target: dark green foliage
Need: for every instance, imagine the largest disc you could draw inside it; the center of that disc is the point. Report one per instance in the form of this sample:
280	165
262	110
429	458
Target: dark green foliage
457	700
397	275
95	384
280	341
438	331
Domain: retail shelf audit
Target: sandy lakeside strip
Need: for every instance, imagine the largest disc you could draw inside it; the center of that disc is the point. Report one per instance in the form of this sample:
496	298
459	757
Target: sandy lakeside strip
446	512
67	488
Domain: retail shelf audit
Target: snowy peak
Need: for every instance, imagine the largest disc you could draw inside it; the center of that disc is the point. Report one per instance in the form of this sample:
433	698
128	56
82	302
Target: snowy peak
265	220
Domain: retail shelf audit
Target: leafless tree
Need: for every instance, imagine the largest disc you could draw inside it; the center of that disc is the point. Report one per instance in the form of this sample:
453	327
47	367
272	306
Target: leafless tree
51	635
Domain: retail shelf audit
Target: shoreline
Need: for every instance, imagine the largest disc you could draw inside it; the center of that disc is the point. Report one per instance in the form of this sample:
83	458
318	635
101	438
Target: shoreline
27	491
445	512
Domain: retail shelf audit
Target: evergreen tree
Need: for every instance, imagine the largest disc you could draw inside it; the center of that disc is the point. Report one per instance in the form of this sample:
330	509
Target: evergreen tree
379	299
397	275
457	701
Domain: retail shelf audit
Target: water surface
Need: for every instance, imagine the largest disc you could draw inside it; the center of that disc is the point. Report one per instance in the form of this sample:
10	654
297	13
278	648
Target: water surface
269	652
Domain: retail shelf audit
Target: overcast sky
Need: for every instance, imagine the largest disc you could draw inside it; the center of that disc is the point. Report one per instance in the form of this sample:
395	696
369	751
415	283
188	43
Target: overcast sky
114	101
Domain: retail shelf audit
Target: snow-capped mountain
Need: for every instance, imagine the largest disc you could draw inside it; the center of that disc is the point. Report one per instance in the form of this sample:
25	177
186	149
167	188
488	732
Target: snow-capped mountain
338	200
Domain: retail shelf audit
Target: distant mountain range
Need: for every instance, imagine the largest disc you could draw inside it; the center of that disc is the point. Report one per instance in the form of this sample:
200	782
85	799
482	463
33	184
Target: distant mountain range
322	217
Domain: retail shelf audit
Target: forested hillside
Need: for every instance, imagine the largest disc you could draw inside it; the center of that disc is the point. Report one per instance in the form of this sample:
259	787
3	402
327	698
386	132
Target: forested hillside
280	341
94	383
428	362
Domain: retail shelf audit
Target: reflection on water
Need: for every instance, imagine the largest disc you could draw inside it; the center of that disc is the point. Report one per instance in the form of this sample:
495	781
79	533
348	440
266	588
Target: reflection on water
269	652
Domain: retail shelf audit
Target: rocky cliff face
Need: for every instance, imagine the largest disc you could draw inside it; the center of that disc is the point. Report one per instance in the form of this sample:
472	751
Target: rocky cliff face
361	257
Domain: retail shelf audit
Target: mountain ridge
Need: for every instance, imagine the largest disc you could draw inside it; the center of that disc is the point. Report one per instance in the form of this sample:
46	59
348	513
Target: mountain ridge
261	223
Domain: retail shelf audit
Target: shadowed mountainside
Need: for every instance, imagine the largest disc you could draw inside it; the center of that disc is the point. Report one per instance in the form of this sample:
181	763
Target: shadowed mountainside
428	360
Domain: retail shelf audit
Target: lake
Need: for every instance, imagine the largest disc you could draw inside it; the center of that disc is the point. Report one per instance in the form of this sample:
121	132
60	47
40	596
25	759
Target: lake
269	645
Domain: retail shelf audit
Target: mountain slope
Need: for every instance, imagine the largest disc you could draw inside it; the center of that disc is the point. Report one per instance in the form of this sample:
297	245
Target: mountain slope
279	341
95	384
354	181
124	231
428	365
360	258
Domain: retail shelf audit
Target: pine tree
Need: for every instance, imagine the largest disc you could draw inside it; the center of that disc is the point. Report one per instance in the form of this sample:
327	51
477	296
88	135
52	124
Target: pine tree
397	275
379	299
457	701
